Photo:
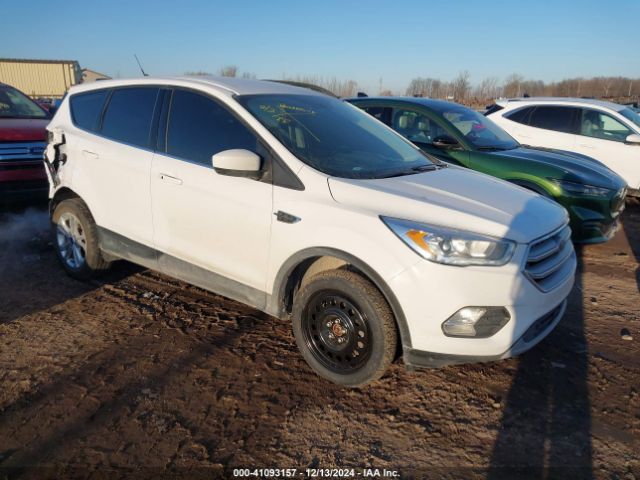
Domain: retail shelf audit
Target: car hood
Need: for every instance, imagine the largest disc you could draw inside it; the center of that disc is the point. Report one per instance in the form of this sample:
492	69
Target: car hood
456	198
572	166
23	129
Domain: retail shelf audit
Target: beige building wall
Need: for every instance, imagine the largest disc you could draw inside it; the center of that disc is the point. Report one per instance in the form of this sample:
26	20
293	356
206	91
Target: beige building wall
40	78
92	76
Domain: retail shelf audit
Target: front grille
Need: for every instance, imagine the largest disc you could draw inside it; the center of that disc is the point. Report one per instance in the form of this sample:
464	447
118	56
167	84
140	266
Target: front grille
551	260
19	151
23	186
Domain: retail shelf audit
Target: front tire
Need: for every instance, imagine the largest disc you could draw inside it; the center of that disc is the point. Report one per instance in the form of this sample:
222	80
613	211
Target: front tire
344	328
75	239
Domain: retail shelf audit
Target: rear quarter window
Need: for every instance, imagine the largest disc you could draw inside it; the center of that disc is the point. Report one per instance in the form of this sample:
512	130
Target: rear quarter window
521	115
86	109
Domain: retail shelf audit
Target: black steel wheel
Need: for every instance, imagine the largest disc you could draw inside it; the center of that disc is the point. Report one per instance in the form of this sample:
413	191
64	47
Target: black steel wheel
336	332
344	327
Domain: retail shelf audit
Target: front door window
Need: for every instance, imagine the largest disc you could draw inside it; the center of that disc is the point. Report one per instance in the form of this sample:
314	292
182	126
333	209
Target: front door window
597	124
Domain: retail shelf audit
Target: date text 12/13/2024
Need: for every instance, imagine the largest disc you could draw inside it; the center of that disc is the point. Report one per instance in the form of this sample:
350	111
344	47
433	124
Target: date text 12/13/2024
315	473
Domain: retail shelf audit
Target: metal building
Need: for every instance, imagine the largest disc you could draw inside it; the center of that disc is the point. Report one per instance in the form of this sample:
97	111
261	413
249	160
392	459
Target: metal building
40	78
89	76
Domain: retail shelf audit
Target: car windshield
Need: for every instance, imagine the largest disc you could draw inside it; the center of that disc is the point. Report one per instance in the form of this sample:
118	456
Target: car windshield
14	104
335	137
629	114
480	131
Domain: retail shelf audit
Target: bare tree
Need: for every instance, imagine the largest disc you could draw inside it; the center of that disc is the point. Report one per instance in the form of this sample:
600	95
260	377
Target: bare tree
426	87
487	89
229	71
461	86
419	87
606	85
532	88
513	85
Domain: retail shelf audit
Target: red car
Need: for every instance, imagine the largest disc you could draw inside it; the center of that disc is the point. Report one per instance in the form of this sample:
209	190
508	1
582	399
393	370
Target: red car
22	142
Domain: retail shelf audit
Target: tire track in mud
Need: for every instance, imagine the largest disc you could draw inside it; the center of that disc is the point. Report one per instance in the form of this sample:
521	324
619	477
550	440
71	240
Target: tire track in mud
138	370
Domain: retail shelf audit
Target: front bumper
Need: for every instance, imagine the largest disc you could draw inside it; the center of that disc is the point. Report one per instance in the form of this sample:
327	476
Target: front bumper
23	180
25	190
595	221
430	293
534	335
595	231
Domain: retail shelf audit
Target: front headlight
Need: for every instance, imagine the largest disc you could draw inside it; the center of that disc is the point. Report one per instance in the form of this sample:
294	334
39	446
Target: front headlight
450	246
581	189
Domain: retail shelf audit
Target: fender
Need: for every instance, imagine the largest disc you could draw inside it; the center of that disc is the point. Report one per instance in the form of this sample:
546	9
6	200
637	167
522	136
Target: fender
530	186
277	306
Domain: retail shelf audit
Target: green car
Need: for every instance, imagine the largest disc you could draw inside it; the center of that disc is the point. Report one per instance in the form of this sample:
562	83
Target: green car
593	195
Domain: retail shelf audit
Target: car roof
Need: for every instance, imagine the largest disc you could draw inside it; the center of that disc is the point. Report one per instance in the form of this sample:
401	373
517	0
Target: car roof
427	102
225	85
310	86
562	101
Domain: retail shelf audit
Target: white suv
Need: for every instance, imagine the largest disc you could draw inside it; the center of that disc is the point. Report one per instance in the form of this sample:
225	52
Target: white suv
602	130
304	207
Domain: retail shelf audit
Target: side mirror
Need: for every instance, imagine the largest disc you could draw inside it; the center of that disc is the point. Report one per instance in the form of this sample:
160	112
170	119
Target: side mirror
237	163
634	139
445	142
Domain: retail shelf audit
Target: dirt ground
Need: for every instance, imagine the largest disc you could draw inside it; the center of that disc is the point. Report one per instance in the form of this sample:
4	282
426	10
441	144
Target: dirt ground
141	375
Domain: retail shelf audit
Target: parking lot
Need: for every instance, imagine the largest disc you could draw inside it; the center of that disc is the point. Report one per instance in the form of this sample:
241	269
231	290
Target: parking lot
138	371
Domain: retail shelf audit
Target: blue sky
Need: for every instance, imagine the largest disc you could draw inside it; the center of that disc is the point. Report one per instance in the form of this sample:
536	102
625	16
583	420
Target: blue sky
361	40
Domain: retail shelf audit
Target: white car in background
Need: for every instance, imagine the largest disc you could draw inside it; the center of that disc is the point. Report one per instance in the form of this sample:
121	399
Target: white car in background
602	130
307	208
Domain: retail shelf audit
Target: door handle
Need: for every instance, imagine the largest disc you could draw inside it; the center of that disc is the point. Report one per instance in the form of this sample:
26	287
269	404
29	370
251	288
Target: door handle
170	178
89	154
586	146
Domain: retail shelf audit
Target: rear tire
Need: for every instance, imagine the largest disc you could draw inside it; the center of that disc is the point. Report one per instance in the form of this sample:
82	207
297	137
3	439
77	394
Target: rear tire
344	328
76	241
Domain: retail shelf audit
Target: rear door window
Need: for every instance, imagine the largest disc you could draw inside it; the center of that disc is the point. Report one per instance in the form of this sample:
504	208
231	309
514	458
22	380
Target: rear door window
199	127
381	113
416	126
129	115
86	109
558	119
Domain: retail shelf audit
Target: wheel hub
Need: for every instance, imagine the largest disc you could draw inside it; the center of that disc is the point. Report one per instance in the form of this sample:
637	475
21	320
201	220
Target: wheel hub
336	332
71	240
336	329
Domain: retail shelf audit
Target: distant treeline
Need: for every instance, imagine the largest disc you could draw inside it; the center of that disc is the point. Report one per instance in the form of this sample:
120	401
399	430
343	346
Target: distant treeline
516	85
461	90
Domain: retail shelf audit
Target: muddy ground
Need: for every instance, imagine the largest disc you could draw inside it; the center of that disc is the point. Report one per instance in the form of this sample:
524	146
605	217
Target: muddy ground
142	375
